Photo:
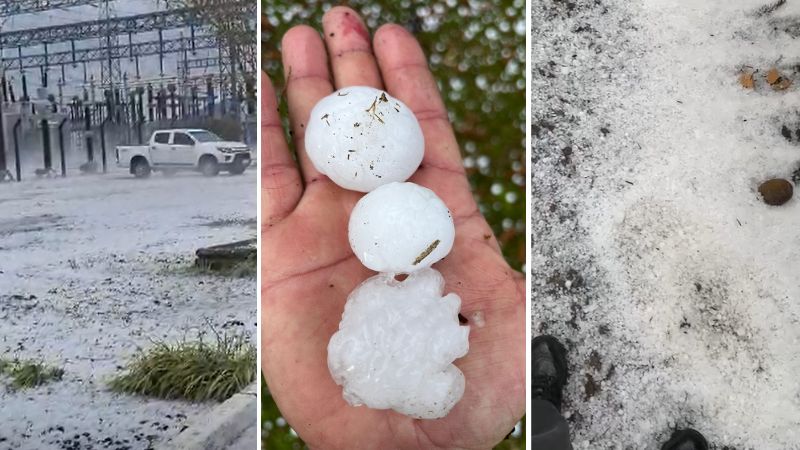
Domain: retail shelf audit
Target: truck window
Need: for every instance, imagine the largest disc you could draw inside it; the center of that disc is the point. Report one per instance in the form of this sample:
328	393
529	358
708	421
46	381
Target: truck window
204	136
182	139
161	138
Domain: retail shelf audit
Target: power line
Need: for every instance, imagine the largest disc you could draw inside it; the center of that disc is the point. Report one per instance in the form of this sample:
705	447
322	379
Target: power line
120	51
108	47
162	20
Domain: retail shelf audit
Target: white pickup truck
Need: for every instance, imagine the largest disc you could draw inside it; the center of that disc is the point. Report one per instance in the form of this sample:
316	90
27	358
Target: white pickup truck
184	149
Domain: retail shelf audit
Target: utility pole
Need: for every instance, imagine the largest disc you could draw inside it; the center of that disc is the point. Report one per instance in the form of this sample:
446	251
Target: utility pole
112	68
5	174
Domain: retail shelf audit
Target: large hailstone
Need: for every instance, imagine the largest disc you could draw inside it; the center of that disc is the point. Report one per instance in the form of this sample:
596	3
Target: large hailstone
396	344
362	138
401	228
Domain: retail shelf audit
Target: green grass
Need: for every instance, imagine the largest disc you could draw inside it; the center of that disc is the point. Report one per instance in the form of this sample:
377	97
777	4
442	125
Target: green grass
191	370
247	268
28	373
275	432
243	269
514	443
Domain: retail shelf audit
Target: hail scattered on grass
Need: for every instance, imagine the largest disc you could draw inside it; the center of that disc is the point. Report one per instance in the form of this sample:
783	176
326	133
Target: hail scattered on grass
199	370
23	374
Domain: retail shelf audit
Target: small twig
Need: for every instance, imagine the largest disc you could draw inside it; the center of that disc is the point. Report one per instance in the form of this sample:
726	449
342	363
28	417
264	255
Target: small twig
427	252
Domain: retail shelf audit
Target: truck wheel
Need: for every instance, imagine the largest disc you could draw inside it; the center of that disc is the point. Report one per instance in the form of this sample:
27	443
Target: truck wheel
209	166
140	168
237	168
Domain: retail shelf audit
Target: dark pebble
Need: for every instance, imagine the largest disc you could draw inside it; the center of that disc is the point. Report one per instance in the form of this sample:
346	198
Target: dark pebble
776	192
786	132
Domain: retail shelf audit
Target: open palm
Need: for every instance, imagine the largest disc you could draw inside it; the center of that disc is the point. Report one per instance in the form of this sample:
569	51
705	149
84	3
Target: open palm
309	268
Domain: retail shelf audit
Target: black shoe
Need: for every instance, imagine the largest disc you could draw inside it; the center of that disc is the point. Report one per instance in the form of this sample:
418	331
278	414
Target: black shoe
687	439
549	371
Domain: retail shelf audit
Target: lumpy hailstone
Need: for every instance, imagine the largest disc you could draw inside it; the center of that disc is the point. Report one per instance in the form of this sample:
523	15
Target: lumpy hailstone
396	344
362	138
401	228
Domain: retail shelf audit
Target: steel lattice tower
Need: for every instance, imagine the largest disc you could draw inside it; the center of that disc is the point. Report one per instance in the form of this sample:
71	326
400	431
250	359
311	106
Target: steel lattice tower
111	72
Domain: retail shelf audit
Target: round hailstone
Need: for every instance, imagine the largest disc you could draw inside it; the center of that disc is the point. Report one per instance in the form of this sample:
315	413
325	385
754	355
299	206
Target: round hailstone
401	228
396	344
362	138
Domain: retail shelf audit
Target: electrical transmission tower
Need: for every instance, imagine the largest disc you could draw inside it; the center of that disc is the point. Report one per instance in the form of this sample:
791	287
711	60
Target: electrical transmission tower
212	43
110	73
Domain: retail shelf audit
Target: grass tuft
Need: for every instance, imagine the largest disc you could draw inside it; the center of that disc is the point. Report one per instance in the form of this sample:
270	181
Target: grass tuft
28	374
246	268
195	371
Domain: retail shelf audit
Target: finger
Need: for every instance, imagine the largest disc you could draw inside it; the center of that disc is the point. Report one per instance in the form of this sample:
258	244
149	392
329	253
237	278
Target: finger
305	64
281	186
405	72
348	42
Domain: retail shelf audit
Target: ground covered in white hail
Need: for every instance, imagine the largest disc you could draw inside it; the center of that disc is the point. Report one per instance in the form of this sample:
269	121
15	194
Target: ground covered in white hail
674	287
93	268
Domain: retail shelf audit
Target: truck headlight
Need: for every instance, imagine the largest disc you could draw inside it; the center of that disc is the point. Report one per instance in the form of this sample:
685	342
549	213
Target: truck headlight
225	149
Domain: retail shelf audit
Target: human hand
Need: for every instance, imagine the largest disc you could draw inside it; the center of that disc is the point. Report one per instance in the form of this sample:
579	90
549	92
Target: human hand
309	269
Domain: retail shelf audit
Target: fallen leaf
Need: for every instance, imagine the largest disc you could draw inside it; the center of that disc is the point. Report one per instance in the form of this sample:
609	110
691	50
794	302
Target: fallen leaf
747	81
777	81
782	85
773	77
